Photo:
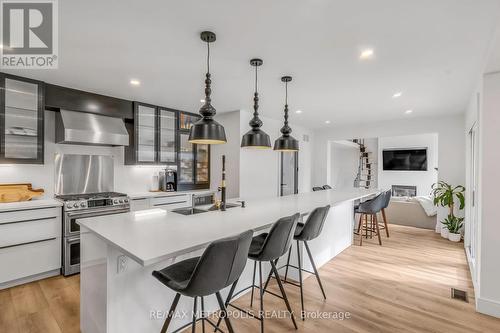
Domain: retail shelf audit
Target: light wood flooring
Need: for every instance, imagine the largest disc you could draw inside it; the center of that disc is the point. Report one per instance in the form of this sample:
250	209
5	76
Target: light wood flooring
402	286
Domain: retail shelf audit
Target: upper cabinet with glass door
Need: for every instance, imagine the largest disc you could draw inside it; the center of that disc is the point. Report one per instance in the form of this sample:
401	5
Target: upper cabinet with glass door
21	120
187	120
154	136
167	136
145	145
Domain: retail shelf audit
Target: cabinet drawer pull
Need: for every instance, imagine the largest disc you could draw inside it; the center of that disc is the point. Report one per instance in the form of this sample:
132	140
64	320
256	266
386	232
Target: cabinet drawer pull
171	196
26	243
30	220
170	203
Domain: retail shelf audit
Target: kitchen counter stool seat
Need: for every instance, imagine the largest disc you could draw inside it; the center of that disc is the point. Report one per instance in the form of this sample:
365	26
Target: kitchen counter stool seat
219	266
368	221
268	247
305	232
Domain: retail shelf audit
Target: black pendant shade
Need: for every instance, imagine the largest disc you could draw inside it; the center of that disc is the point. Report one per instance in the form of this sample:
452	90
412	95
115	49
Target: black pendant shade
286	142
255	137
207	130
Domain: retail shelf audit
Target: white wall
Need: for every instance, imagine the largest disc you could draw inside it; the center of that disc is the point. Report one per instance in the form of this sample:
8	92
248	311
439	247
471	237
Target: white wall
450	130
422	179
344	165
489	267
231	123
260	171
256	171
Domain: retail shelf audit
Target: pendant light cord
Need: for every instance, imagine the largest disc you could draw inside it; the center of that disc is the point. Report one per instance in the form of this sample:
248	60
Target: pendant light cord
208	58
255	79
286	93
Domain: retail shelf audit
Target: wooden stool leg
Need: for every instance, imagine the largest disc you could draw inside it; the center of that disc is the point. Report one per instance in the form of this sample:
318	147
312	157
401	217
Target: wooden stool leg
366	226
371	225
385	223
360	222
378	229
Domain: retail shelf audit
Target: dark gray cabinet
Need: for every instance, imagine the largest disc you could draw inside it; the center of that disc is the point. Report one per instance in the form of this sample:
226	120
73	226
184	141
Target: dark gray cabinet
193	171
167	136
152	135
159	136
21	120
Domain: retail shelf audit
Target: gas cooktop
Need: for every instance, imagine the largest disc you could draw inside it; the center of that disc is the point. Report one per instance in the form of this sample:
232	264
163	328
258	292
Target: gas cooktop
87	196
94	200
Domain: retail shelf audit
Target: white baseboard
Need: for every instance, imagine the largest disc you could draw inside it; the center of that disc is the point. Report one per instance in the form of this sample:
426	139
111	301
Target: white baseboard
28	279
489	307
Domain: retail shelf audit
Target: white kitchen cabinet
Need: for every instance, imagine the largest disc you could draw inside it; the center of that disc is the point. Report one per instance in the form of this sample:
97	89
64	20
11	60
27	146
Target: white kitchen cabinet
30	245
140	204
172	201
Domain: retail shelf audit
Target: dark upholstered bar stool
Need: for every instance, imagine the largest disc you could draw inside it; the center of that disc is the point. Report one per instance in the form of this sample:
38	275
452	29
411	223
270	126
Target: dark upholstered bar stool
306	232
327	187
220	266
317	188
368	221
268	247
387	200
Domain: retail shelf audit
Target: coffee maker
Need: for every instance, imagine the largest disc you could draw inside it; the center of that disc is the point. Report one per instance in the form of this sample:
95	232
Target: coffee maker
169	183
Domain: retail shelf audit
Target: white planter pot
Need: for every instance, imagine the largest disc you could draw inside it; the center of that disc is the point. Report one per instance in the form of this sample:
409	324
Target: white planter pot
454	237
444	232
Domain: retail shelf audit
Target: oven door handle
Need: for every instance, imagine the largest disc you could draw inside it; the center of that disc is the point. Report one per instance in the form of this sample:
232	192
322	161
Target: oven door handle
98	212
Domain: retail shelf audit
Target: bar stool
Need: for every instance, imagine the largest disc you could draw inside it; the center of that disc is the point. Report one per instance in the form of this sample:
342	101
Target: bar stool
317	188
268	247
327	187
219	266
387	200
368	211
306	232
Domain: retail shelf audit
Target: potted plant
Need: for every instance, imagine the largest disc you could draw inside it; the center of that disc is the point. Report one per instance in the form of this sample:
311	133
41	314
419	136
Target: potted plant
445	195
445	232
454	225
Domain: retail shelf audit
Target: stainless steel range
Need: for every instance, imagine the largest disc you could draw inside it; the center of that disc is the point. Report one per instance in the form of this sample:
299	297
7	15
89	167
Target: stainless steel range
85	185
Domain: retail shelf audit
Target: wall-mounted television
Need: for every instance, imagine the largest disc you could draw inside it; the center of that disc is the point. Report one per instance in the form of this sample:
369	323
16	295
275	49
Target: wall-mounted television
405	159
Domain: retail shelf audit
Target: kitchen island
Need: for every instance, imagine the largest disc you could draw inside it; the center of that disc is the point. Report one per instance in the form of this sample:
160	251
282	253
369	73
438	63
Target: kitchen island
119	252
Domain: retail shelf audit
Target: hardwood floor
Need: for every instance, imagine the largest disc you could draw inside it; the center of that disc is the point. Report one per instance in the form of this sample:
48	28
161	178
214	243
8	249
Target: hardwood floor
402	286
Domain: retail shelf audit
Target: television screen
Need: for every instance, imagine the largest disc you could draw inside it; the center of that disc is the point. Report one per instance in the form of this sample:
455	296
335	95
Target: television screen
405	159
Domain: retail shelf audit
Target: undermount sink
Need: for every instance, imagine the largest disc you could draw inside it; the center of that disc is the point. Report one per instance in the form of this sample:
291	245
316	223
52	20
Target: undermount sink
189	211
193	211
228	205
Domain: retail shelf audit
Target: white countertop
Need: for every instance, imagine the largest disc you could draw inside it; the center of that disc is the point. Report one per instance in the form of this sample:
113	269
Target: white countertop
32	204
154	235
143	195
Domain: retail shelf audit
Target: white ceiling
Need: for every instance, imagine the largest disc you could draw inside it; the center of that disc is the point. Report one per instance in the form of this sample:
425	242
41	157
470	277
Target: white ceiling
430	50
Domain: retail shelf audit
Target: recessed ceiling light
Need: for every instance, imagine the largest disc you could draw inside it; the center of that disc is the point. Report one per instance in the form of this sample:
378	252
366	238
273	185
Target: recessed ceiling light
298	111
135	82
409	111
397	94
367	54
327	121
202	100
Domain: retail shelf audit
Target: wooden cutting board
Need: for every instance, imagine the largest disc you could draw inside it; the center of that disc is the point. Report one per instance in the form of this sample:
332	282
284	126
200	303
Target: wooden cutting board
18	192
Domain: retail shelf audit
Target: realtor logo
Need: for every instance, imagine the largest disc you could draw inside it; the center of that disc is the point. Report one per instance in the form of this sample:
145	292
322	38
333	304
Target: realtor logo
29	34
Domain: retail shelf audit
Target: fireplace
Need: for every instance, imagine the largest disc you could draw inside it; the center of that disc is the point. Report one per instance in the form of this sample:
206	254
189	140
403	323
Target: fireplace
404	191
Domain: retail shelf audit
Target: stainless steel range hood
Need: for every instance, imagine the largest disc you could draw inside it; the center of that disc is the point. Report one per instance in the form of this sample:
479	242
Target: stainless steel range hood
82	128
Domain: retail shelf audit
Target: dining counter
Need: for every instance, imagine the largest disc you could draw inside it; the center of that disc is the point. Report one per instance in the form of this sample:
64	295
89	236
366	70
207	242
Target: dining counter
119	252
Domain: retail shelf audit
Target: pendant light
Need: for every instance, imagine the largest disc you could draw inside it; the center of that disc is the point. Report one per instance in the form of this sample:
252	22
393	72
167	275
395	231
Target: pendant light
286	142
255	137
207	130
